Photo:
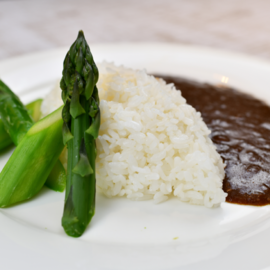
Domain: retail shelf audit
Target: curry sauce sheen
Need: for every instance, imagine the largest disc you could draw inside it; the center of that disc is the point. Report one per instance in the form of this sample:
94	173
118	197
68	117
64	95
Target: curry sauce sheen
240	126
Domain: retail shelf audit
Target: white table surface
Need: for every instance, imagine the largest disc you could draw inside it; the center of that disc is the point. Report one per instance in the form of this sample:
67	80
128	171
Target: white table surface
236	25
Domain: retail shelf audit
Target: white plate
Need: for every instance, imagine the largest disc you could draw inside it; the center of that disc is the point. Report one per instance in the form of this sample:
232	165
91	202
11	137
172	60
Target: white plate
136	235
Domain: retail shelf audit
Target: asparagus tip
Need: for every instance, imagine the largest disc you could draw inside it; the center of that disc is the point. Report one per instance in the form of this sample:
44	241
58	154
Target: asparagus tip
81	34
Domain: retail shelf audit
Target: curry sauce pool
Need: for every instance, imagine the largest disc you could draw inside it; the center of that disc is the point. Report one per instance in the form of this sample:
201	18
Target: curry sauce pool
240	126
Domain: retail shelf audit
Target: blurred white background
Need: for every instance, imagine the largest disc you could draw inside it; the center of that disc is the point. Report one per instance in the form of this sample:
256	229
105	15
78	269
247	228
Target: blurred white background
235	25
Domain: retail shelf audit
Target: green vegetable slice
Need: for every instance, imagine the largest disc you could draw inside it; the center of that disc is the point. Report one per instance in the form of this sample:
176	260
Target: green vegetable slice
33	109
5	139
32	161
17	120
14	115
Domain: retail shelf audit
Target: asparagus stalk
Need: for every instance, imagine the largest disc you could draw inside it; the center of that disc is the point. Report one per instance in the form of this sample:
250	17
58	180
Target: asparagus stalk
57	177
81	118
14	115
33	109
17	121
33	159
5	139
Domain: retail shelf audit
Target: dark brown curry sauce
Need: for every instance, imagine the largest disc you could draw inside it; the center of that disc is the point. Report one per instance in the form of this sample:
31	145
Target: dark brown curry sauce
240	126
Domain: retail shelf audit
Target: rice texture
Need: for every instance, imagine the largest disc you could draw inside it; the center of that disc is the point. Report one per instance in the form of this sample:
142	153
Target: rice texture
152	144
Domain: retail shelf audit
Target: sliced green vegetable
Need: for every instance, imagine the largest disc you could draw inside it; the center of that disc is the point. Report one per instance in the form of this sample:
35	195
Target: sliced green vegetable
57	178
32	161
14	115
33	109
5	139
17	121
80	113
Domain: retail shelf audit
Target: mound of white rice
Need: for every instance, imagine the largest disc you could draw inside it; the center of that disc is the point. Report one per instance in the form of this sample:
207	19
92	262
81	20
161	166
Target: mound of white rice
151	143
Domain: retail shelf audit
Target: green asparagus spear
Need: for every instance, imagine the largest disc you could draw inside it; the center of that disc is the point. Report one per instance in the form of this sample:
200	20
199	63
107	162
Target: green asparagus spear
57	178
17	121
14	115
32	161
33	109
81	118
5	139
